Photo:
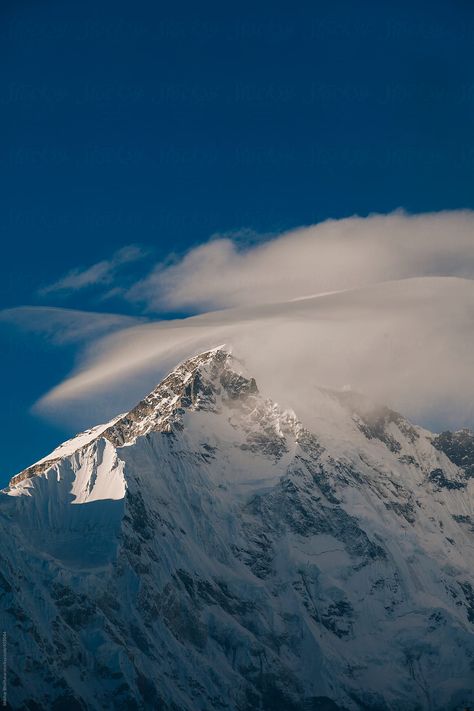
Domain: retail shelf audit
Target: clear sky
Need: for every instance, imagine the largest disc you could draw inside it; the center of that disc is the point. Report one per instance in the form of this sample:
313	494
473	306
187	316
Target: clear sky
160	124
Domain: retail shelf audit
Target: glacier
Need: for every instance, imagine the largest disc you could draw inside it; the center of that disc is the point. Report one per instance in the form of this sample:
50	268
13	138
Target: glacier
207	550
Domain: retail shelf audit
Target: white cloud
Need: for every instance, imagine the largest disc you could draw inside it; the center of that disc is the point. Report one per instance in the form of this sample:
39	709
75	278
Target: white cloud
392	316
407	343
62	326
333	255
100	273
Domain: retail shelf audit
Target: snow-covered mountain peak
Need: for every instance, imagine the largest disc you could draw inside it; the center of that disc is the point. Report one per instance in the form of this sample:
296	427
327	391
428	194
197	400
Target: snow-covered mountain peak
209	550
201	383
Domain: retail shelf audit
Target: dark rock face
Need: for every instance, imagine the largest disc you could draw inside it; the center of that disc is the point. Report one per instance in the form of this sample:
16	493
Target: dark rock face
439	479
465	520
30	472
236	386
374	421
468	591
405	509
459	447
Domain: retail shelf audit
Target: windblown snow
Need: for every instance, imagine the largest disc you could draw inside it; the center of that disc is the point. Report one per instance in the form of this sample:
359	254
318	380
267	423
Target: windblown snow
206	550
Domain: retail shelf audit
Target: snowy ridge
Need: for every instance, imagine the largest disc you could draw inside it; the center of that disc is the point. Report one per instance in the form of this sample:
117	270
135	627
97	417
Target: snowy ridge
159	406
208	551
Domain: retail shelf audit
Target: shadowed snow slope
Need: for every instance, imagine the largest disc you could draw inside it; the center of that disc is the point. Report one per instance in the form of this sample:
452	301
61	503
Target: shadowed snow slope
207	551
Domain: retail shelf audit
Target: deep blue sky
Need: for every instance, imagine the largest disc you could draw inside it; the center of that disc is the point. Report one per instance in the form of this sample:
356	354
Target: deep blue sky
162	124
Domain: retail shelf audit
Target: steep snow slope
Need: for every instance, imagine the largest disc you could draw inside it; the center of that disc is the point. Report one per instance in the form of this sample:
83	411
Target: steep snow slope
206	551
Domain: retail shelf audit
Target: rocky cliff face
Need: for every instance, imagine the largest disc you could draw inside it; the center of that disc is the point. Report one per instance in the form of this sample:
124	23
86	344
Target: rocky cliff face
207	551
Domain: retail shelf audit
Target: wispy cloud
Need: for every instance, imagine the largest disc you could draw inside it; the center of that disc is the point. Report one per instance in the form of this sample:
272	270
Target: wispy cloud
63	326
101	273
330	256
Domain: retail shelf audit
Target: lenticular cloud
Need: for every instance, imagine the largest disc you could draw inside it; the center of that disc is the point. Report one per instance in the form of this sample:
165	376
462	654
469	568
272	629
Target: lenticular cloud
383	304
331	256
407	343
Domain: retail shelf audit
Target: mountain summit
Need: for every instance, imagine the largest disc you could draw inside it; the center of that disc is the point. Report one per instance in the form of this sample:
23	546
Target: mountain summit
208	551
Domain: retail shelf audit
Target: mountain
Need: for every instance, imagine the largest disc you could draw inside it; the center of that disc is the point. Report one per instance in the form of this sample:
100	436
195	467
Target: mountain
206	551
